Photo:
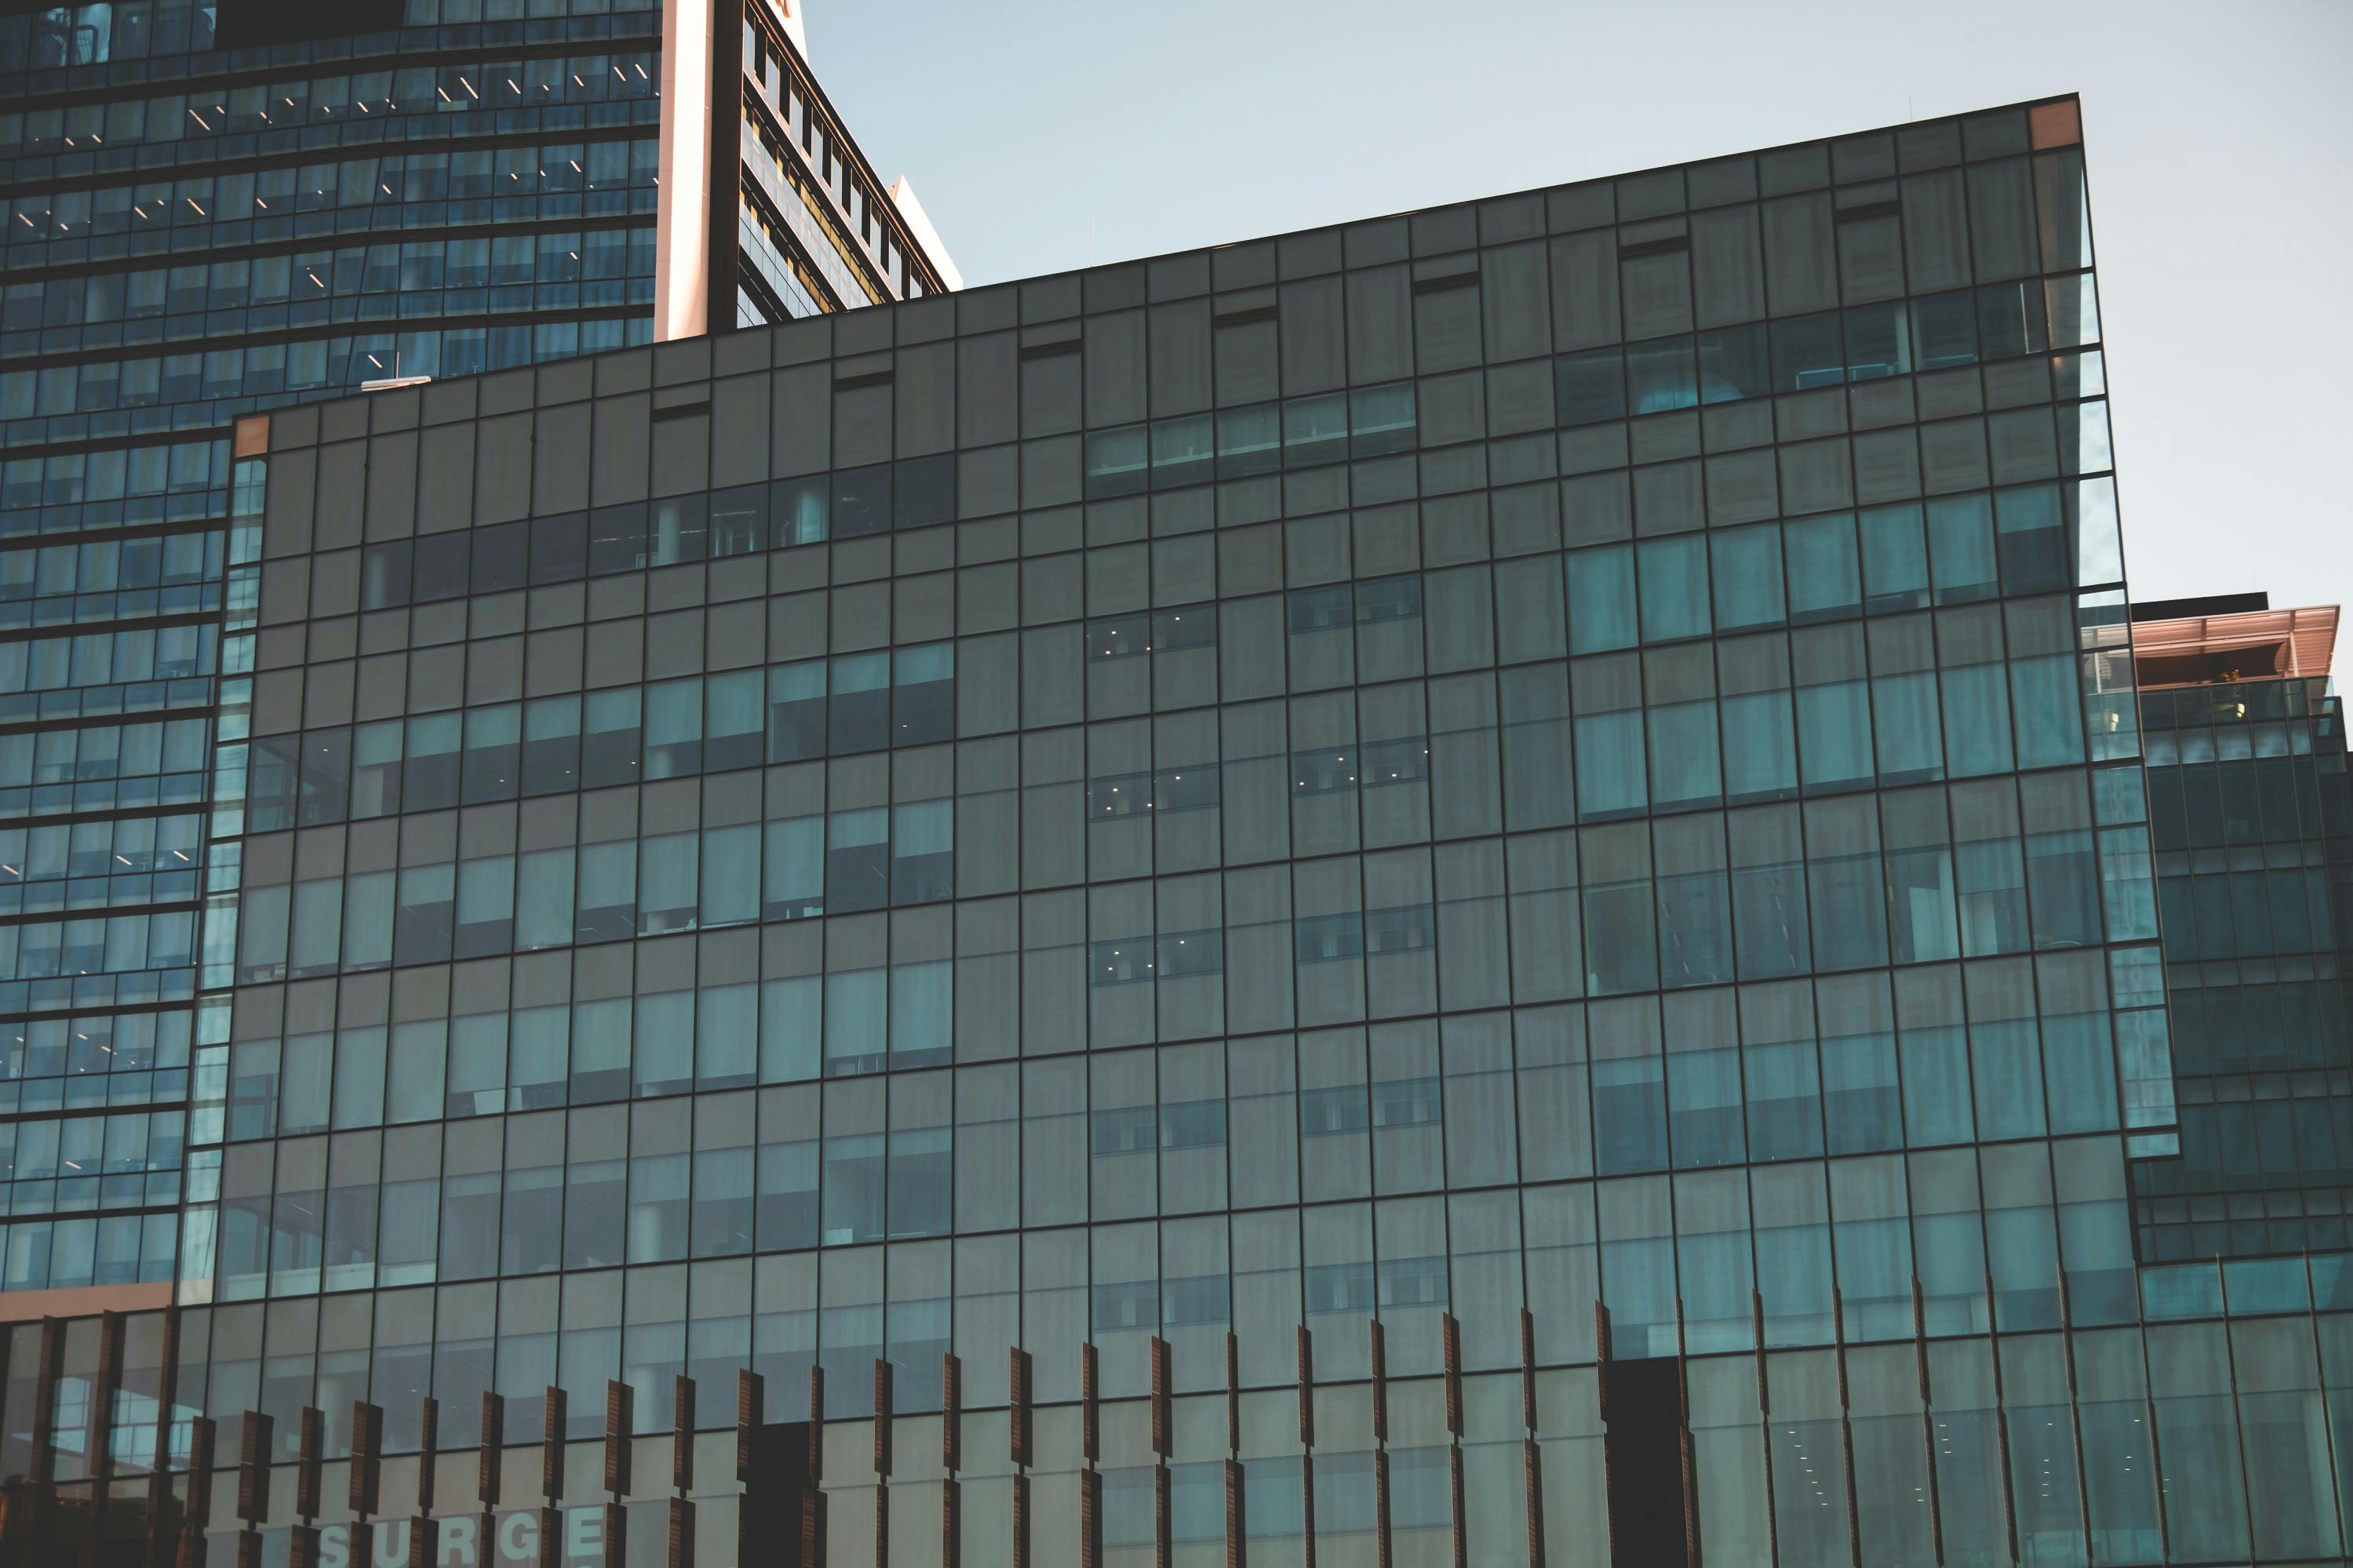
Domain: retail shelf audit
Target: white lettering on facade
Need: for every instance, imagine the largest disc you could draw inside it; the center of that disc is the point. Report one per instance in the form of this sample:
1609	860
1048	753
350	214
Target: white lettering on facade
456	1543
519	1537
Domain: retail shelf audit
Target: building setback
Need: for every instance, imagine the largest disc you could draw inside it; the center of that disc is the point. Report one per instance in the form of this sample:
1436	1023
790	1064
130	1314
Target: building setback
2247	802
1473	888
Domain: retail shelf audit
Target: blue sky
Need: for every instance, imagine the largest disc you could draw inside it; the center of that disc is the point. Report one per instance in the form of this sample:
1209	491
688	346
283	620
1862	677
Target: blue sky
1046	135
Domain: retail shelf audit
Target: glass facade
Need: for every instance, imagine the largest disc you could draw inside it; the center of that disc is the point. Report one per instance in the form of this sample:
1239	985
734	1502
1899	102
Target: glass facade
1474	887
2250	813
211	211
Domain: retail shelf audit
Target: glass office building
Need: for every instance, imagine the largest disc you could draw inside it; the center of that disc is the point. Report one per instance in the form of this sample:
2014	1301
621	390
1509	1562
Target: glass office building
214	210
1473	888
2248	808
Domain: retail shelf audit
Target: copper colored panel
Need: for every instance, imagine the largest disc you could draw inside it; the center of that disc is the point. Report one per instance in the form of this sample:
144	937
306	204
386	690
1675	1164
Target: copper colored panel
200	1463
1454	1505
83	1301
494	1422
2246	645
253	1467
428	1440
1307	1392
306	1471
551	1447
1162	1435
1237	1541
253	436
1532	1470
1089	1410
1162	1533
2056	124
751	1398
367	1450
620	1419
1090	1519
951	1413
1452	1332
616	1536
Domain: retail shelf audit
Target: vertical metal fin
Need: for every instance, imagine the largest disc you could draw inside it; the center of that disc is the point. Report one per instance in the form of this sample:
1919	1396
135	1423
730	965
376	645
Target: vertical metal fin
1531	1475
617	1535
1935	1490
1527	1369
1090	1405
45	1423
1164	1542
159	1476
551	1447
1451	1333
1162	1436
620	1418
428	1449
102	1410
253	1467
815	1441
1757	1338
1016	1425
201	1438
1688	1453
1233	1393
1307	1507
751	1401
812	1521
2009	1504
1237	1522
367	1457
951	1413
494	1434
306	1464
883	1407
682	1435
1454	1503
1307	1392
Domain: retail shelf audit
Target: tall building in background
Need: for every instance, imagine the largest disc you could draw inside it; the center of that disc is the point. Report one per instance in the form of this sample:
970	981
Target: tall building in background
1477	887
215	210
2253	831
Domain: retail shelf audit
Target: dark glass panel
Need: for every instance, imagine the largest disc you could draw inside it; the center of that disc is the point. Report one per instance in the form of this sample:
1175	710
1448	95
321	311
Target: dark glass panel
559	549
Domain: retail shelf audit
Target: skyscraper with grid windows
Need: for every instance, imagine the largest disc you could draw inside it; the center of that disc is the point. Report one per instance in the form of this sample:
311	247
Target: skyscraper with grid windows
214	210
1478	886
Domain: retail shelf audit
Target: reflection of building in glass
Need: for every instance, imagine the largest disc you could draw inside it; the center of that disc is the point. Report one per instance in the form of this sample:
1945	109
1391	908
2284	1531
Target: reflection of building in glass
211	211
1477	887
